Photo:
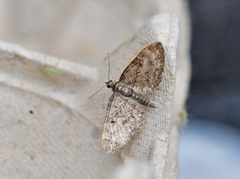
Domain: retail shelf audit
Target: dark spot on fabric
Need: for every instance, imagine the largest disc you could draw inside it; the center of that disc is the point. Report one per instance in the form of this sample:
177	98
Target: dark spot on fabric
31	111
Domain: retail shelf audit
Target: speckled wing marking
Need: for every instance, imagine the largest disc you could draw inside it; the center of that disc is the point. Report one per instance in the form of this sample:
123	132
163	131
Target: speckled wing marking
146	69
123	120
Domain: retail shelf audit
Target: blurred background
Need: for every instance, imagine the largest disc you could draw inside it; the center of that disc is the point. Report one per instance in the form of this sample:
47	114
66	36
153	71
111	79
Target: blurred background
210	143
215	83
210	147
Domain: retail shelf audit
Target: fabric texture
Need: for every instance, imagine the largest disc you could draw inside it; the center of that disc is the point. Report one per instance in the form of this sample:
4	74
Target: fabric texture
50	129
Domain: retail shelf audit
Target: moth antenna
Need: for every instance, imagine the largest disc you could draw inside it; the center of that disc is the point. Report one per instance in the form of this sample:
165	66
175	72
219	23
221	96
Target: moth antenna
108	66
96	92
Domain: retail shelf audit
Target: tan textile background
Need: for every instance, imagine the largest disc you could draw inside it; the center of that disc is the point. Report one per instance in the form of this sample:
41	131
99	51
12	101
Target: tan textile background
49	128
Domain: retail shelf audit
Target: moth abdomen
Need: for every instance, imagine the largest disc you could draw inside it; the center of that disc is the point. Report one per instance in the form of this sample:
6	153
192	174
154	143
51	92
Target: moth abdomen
129	92
142	100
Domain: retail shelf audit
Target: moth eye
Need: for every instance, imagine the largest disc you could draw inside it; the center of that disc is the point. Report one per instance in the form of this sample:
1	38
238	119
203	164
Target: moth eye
108	86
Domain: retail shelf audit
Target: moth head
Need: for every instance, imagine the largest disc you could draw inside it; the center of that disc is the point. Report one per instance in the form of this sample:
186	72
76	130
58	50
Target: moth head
109	83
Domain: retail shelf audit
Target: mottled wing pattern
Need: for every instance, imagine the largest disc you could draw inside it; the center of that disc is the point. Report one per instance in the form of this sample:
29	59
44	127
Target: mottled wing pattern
123	120
146	69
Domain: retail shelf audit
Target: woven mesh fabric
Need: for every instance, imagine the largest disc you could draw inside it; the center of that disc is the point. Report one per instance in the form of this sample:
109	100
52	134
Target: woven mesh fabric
50	129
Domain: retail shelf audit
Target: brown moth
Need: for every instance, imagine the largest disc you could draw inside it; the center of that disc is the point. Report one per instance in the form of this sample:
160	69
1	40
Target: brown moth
126	108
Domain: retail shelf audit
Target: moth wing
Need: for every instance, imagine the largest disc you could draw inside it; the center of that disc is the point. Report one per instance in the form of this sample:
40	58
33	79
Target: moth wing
123	120
146	69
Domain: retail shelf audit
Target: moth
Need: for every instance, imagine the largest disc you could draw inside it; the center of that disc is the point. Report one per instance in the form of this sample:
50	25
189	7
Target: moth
126	108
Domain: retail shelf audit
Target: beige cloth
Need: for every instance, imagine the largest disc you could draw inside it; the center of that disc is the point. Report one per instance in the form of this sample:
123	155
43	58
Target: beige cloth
49	128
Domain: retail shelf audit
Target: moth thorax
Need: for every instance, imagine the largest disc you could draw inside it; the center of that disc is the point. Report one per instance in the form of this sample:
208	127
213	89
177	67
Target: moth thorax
117	87
126	91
